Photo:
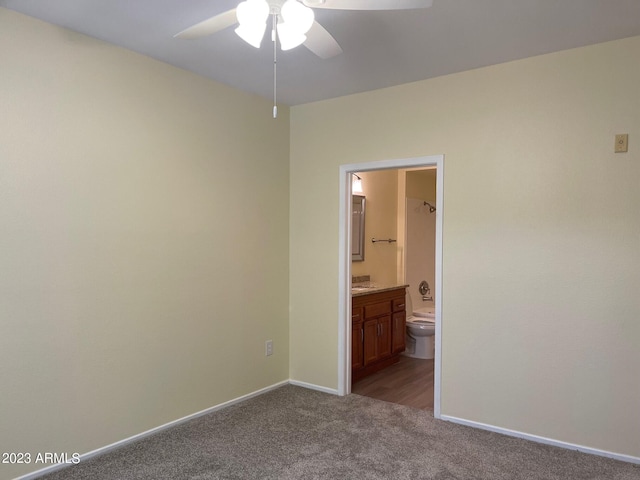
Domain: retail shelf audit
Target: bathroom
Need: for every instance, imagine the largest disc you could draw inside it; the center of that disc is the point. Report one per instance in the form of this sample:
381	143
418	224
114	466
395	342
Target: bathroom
400	214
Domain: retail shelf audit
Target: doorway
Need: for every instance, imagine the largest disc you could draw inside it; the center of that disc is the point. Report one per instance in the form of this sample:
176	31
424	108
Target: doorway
344	317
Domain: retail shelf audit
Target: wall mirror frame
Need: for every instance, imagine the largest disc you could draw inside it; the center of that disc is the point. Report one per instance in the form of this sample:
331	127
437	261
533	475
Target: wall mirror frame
357	228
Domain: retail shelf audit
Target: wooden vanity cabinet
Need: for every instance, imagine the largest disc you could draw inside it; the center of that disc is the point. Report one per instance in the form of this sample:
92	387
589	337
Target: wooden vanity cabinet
398	326
357	338
378	331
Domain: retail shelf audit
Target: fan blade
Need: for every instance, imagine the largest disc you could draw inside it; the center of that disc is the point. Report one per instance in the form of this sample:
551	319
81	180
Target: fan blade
320	42
368	4
210	26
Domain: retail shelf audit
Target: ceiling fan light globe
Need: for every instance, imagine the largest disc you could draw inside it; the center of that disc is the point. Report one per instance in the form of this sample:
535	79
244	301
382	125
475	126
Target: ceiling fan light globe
289	37
297	15
252	12
252	34
299	40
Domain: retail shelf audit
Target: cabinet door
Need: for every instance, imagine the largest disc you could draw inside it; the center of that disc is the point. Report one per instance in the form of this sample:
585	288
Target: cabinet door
398	332
370	345
384	336
357	345
356	314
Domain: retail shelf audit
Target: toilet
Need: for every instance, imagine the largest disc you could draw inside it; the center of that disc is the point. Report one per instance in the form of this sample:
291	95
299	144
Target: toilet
421	331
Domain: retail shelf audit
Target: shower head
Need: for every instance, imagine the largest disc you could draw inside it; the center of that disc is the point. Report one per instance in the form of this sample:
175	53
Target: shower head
431	207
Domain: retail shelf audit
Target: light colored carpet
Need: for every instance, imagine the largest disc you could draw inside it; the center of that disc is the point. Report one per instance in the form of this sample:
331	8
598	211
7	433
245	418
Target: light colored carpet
295	433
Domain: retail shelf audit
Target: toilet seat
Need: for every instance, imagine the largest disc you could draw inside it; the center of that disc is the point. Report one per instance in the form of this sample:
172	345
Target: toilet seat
421	323
425	312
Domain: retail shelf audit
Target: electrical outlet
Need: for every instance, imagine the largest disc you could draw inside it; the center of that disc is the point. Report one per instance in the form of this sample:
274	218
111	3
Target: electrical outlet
268	348
622	143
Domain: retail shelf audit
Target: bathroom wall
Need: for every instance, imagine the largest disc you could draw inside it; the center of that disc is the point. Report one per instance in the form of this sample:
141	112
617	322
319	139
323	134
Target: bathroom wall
540	306
421	184
143	242
381	190
421	234
421	250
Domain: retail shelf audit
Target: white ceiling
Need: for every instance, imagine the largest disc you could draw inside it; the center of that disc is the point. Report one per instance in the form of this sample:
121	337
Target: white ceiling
381	49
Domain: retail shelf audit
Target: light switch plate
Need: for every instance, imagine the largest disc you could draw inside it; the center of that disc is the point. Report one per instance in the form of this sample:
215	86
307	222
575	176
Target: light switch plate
622	143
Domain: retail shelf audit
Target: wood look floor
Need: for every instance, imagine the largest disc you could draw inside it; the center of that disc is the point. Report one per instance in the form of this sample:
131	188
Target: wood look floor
408	382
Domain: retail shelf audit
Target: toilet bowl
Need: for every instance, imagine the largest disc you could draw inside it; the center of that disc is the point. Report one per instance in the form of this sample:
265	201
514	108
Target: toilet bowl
421	330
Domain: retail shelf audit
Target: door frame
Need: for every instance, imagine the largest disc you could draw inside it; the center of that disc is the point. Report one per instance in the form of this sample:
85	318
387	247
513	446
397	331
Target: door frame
344	258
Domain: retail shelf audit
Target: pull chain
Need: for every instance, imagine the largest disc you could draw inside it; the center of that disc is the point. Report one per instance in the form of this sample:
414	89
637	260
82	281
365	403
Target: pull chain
275	76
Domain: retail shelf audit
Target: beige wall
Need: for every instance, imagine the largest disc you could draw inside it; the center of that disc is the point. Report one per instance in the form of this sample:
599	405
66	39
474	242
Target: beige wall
541	234
143	242
381	192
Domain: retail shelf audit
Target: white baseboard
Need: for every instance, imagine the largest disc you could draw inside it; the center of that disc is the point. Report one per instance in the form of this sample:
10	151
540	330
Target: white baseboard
102	450
538	439
312	386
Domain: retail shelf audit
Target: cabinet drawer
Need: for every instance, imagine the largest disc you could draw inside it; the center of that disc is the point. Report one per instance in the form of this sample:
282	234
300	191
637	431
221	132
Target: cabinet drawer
356	314
398	304
376	309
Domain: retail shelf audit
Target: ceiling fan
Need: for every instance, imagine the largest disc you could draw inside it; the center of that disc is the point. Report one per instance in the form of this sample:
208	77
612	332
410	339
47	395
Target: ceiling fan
293	21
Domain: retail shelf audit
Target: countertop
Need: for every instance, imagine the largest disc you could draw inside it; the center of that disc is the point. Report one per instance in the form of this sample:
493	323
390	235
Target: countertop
365	289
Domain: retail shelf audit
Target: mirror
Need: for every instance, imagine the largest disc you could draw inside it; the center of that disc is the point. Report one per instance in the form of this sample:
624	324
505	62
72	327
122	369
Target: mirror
357	228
